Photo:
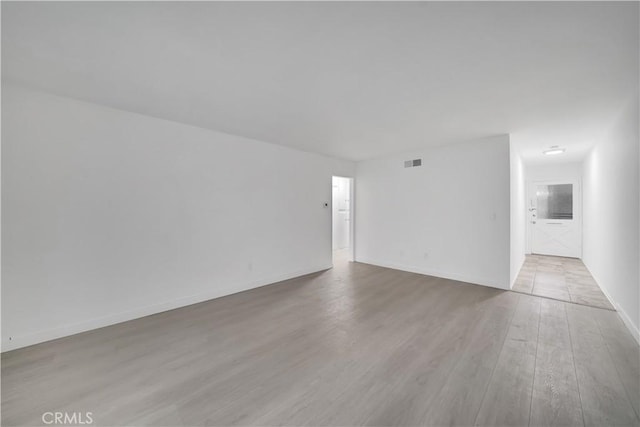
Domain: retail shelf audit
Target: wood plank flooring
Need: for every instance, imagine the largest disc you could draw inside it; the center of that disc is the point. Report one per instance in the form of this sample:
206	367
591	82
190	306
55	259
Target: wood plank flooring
564	279
355	345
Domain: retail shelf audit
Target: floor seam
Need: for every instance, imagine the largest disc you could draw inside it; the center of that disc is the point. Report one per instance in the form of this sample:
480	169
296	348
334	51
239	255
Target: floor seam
564	301
535	362
493	371
573	360
572	295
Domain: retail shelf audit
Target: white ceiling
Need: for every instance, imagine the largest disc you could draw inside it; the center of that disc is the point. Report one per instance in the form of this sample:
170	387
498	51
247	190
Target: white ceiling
353	80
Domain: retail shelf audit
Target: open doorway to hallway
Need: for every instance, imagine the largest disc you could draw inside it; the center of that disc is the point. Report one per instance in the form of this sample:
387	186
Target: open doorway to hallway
553	267
342	219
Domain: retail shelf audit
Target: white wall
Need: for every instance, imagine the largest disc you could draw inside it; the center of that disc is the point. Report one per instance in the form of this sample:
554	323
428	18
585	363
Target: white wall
554	171
110	215
447	218
518	213
611	212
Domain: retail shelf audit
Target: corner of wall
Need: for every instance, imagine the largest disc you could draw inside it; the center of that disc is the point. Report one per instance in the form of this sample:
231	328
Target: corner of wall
517	198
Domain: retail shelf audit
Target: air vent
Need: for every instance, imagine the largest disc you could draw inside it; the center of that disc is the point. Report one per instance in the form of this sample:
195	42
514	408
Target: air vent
412	163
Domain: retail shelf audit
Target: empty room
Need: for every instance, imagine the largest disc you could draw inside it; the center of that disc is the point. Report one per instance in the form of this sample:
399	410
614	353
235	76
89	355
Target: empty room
320	213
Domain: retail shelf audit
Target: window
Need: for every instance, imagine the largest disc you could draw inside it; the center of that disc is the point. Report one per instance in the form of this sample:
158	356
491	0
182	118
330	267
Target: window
555	201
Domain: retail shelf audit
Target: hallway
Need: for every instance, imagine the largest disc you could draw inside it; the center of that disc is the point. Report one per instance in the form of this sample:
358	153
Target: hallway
564	279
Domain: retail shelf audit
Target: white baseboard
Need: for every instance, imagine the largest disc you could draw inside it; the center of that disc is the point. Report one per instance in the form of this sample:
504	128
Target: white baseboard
627	321
15	342
633	329
514	278
436	273
623	314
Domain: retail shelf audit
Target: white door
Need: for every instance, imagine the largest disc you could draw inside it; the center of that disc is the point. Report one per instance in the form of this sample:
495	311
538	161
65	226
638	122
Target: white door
555	217
341	212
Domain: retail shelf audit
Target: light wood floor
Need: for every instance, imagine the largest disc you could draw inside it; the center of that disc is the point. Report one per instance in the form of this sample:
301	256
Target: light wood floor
356	345
565	279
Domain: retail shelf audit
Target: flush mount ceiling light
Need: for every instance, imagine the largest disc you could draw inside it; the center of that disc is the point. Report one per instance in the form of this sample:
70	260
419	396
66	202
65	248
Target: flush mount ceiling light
554	150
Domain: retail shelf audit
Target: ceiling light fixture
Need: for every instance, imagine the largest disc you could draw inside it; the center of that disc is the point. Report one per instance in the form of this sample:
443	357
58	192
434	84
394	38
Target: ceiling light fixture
554	150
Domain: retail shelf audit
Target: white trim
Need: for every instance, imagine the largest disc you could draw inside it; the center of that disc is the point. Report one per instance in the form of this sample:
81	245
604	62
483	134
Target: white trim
514	278
352	216
352	219
436	273
635	332
100	322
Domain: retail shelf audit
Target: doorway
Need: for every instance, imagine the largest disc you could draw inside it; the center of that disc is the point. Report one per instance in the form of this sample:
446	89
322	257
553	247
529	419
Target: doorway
555	218
342	219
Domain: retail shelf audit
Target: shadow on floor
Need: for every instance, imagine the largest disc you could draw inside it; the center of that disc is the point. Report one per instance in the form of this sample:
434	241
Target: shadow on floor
565	279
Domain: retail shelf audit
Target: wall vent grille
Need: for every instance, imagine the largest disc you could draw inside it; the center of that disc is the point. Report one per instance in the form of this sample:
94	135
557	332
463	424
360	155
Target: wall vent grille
412	163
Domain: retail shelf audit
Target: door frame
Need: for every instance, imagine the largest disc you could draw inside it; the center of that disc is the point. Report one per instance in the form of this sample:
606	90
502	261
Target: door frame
352	217
577	207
